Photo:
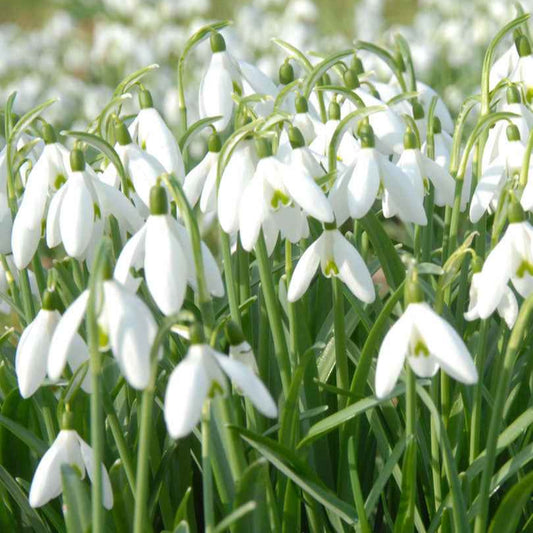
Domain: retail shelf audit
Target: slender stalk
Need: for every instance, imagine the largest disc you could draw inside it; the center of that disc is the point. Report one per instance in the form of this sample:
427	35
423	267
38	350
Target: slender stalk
274	313
207	477
410	431
229	278
341	359
504	378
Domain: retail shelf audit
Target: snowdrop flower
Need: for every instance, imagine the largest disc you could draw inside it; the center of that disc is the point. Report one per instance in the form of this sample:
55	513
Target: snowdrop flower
523	72
419	168
275	186
162	248
304	120
31	358
507	307
124	319
200	183
510	260
198	376
359	184
428	343
239	348
48	174
68	449
79	208
348	146
142	168
336	257
151	133
504	66
493	180
236	175
216	87
443	144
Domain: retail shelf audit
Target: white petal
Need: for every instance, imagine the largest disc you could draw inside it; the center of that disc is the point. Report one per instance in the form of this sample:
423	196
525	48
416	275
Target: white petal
165	266
392	355
213	278
53	231
131	256
251	213
442	181
24	242
250	384
352	269
132	331
305	271
195	179
488	186
364	183
424	366
508	308
444	344
143	169
64	336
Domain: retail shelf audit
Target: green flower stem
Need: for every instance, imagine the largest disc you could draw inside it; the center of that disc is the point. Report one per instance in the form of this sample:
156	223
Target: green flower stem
504	378
410	432
291	310
27	297
13	287
229	278
207	477
274	313
341	359
123	450
435	452
244	289
38	270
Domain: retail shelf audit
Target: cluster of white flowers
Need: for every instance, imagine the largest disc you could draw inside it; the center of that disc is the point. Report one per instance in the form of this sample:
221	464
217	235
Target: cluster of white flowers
285	164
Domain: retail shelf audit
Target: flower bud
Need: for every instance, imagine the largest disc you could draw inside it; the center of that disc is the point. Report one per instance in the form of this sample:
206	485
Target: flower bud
158	200
366	136
477	264
145	99
122	135
350	79
233	333
286	73
263	147
49	134
300	104
67	419
218	44
409	139
334	111
77	160
214	144
330	225
196	333
418	111
295	137
437	126
50	301
513	95
515	213
357	65
513	134
523	46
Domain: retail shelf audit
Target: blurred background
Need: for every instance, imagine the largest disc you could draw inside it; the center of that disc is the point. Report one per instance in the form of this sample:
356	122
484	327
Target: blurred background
80	49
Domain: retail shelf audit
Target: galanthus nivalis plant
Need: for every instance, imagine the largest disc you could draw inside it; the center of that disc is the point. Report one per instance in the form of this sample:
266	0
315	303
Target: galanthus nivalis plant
289	303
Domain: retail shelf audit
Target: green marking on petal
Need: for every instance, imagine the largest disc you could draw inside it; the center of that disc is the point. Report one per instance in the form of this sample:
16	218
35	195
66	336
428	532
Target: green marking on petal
279	199
331	269
420	348
524	268
60	179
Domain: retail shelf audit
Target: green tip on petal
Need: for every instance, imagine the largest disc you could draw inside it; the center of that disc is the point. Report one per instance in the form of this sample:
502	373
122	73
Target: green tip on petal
366	136
49	134
523	46
50	300
145	99
218	44
513	134
357	65
286	73
301	104
158	200
295	137
515	213
409	139
263	147
234	333
77	160
437	126
122	135
334	111
513	95
214	144
351	80
418	111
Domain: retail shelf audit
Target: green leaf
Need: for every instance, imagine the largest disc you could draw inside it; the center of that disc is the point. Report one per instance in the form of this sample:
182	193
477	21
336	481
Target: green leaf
198	126
26	436
134	78
76	504
21	500
510	510
404	522
294	52
383	54
235	516
299	472
320	69
27	119
345	415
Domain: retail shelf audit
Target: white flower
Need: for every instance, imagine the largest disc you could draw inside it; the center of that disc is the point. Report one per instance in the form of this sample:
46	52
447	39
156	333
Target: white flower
81	206
372	174
336	257
68	449
163	248
48	174
194	379
31	358
127	322
428	343
151	133
443	144
507	308
236	175
419	167
504	66
496	175
510	260
523	72
216	87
